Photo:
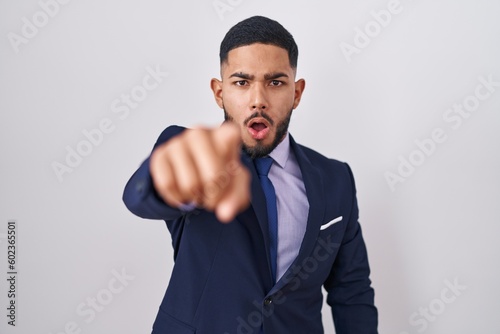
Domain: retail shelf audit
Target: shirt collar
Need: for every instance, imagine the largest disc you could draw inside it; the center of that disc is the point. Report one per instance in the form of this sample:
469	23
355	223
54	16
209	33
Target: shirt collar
281	152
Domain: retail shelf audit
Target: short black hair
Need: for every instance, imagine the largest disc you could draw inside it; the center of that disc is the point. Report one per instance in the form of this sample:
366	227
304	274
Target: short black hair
259	29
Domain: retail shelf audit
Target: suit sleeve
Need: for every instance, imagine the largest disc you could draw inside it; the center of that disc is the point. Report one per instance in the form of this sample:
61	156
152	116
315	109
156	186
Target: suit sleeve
350	294
139	195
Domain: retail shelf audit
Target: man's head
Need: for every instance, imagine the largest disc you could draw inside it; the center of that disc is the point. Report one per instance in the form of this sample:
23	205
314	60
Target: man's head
259	29
258	90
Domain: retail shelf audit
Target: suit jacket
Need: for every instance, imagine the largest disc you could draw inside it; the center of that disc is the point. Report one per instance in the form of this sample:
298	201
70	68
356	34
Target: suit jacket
221	281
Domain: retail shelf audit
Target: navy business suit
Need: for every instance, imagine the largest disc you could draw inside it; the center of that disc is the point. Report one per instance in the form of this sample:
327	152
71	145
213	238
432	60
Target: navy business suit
221	282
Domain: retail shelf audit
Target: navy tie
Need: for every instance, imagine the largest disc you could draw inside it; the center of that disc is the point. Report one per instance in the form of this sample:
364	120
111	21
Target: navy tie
263	165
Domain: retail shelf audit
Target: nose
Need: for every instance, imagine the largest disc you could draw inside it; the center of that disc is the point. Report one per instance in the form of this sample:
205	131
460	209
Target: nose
258	99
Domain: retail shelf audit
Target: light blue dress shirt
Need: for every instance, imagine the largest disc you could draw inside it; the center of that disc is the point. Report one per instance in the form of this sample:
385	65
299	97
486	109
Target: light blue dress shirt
292	204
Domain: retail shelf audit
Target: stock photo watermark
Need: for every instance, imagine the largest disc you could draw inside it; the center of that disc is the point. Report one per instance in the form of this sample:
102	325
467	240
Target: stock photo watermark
453	117
121	108
425	315
222	7
88	309
30	28
380	20
12	272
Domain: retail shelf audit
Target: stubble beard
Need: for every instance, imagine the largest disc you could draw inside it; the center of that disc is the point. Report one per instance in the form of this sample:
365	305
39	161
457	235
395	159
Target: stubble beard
260	150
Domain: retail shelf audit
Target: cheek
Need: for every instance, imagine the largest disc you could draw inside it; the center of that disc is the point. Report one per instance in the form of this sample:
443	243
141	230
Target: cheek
232	100
234	112
285	98
285	104
234	106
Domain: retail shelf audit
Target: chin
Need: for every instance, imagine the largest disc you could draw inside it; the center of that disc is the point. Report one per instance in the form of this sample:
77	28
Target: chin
258	150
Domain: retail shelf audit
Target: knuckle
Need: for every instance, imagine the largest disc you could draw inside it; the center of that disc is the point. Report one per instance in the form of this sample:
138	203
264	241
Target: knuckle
222	178
195	134
164	186
211	191
173	145
189	190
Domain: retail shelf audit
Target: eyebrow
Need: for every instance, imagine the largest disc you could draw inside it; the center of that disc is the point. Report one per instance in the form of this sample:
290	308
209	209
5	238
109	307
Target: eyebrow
267	76
242	76
272	76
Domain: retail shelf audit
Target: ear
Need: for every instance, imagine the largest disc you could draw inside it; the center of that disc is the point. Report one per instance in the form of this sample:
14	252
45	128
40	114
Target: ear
216	86
300	85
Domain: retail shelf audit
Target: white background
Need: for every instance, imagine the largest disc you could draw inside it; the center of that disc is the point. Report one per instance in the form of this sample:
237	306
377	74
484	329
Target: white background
74	233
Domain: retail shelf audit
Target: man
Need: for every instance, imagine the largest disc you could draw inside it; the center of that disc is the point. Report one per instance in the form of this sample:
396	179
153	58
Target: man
259	223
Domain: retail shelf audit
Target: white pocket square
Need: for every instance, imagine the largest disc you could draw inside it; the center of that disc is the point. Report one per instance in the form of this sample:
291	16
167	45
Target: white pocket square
327	225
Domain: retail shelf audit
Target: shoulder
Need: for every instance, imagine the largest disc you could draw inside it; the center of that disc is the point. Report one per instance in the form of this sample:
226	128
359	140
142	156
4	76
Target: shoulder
323	163
169	133
335	174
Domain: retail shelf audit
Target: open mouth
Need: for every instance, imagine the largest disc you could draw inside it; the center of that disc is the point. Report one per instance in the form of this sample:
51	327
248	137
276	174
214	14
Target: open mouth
258	128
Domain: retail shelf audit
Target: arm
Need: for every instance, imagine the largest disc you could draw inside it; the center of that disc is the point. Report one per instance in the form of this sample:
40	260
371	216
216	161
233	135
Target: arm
350	294
199	166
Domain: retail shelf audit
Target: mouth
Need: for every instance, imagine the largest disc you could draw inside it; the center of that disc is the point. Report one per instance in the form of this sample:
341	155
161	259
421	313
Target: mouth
258	128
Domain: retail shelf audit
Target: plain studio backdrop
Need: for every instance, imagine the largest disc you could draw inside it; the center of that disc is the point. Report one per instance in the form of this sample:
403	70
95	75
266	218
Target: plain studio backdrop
407	92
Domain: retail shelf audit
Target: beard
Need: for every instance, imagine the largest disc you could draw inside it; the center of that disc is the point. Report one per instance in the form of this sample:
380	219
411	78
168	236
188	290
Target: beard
260	150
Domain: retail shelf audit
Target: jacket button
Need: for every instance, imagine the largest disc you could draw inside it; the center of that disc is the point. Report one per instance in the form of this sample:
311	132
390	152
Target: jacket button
268	301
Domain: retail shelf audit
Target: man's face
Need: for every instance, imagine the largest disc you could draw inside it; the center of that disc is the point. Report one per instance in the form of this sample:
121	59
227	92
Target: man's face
258	93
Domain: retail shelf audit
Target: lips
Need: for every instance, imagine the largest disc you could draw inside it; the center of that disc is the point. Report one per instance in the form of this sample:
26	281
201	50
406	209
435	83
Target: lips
258	128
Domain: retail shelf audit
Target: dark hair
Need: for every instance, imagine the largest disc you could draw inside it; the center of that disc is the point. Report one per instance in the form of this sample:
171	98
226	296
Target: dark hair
259	29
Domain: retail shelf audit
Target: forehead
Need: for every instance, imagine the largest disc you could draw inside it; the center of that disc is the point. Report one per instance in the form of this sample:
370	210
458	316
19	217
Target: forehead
257	59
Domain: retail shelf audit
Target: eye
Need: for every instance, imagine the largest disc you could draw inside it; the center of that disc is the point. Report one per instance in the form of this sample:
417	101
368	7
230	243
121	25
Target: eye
240	83
276	83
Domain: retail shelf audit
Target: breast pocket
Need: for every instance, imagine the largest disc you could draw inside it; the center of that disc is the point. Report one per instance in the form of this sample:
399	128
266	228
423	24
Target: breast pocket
331	223
332	231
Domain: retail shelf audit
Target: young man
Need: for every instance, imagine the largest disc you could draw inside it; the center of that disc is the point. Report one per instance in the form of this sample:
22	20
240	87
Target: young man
259	223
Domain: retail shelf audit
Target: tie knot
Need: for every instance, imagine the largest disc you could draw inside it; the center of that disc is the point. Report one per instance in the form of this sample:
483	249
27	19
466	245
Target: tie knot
263	165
